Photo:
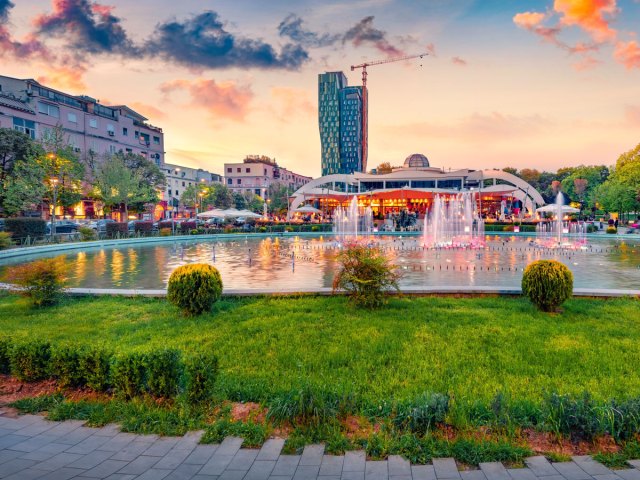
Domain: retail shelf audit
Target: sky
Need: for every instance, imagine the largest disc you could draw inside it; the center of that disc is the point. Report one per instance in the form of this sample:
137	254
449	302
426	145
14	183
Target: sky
528	84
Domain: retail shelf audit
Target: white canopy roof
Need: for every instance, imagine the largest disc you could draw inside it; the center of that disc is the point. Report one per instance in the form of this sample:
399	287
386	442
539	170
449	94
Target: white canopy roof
308	209
551	208
215	213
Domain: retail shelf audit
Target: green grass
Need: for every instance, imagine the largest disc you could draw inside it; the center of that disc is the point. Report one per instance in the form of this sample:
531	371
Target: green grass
470	348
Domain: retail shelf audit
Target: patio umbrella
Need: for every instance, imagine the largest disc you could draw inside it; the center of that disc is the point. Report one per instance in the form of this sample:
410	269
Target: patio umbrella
307	209
554	208
249	214
215	213
231	213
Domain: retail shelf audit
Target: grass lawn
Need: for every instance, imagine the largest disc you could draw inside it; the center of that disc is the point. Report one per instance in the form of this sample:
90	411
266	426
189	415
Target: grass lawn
470	348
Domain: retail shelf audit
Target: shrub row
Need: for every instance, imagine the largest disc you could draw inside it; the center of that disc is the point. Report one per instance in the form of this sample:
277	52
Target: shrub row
23	227
117	229
160	373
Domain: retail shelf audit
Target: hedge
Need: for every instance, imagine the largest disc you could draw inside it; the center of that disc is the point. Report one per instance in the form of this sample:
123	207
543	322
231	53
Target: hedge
117	229
143	227
159	373
23	227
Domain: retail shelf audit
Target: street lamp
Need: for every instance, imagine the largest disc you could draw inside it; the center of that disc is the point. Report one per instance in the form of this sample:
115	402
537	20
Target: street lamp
54	183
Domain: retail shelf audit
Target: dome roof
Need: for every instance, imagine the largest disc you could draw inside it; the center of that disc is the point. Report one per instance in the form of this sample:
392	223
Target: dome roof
416	160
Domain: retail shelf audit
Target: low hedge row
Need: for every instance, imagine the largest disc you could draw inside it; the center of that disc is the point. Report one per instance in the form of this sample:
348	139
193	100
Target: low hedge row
23	227
160	373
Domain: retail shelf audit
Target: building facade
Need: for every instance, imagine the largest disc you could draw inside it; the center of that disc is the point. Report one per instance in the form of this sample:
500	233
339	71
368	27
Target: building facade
256	173
93	129
180	178
340	120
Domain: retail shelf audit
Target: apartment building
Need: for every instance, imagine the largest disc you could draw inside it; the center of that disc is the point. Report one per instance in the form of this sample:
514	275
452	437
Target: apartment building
257	172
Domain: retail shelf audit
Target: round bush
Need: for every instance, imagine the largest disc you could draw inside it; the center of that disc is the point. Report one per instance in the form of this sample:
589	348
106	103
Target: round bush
547	283
195	288
612	229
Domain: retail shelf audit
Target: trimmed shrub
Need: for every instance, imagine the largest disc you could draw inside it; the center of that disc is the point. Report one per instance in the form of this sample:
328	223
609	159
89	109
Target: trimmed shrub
164	370
129	374
547	283
165	232
194	288
94	365
165	224
612	230
30	360
87	234
117	229
5	240
5	355
143	228
422	413
186	227
201	371
23	227
591	228
366	273
65	365
41	280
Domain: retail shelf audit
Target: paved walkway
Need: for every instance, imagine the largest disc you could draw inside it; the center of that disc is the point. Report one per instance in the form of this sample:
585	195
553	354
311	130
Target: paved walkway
34	448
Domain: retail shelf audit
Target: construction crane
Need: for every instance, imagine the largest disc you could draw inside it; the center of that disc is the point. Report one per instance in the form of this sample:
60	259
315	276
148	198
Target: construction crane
365	126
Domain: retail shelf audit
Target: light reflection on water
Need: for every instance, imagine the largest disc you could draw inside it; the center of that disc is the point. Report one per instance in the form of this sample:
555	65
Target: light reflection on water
293	262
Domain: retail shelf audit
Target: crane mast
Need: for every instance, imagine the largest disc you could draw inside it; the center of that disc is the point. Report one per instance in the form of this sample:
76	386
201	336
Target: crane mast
365	135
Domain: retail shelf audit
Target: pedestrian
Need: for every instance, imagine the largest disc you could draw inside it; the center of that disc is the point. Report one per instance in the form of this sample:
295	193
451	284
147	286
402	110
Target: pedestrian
615	224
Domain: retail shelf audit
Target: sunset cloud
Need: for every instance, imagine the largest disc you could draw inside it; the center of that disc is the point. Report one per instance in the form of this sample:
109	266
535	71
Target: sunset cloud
593	16
628	54
148	111
64	78
224	100
291	101
365	33
459	61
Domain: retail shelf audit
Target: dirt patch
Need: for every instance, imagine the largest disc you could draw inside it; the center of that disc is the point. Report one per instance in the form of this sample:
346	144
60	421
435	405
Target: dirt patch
12	389
249	411
546	442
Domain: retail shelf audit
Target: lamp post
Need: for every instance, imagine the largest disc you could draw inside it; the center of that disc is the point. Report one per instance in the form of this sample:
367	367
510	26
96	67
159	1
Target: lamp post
54	183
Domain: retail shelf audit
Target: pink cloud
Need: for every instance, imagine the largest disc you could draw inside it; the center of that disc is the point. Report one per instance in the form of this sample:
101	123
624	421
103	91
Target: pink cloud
459	61
528	20
293	100
148	110
628	54
593	16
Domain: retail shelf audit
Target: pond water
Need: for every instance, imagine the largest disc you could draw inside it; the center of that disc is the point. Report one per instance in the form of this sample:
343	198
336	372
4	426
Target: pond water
309	262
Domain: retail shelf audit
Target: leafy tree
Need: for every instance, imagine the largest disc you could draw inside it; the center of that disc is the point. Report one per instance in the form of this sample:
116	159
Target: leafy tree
189	196
582	182
116	184
384	167
255	203
15	146
239	201
511	170
278	194
219	196
621	191
25	188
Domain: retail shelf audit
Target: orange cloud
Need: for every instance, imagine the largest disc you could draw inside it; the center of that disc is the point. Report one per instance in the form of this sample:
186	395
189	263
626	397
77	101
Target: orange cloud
593	16
225	99
528	20
293	100
64	77
628	54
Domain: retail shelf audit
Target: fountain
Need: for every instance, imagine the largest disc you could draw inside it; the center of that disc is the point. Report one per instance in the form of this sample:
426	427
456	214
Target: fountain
348	223
558	233
454	222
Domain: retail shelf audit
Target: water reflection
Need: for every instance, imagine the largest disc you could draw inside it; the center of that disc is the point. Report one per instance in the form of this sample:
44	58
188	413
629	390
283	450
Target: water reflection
294	262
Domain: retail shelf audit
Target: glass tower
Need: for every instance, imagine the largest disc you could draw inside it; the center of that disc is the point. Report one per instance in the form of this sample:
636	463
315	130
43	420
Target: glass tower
340	122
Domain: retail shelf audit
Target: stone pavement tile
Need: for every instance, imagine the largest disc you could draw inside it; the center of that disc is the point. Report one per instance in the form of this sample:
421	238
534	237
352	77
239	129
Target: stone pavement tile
90	460
26	474
232	475
76	436
200	476
10	440
260	470
105	469
64	473
22	421
183	472
173	459
331	465
229	446
352	475
354	461
423	472
590	466
609	476
445	468
58	461
473	475
521	474
38	455
330	477
154	474
286	466
53	447
571	471
376	470
33	443
494	471
312	455
139	465
216	464
6	455
629	474
66	427
120	476
243	459
130	452
540	466
281	477
15	465
89	444
110	430
271	449
35	428
634	463
117	442
201	454
190	440
398	466
306	472
161	447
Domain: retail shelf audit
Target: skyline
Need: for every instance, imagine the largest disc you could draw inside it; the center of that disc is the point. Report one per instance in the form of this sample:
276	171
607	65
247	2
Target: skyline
538	84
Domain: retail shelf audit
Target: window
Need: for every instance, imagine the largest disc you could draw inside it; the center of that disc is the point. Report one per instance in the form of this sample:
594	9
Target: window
229	181
169	191
93	122
183	184
239	181
239	170
128	150
112	149
137	133
229	170
177	193
257	191
72	117
48	109
248	170
156	140
25	126
110	127
125	132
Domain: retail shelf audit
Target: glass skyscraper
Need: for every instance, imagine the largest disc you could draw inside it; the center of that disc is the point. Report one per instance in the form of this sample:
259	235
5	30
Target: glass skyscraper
340	121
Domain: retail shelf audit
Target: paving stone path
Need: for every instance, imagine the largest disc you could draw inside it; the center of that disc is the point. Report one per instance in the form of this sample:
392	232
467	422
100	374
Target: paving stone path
34	448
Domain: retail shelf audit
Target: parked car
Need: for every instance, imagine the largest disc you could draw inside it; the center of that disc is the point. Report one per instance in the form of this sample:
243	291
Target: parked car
132	225
100	226
2	225
63	226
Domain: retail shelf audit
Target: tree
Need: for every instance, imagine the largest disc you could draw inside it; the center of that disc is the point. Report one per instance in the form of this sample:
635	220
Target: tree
25	188
219	196
116	184
239	201
621	190
384	167
189	196
511	170
15	146
278	194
